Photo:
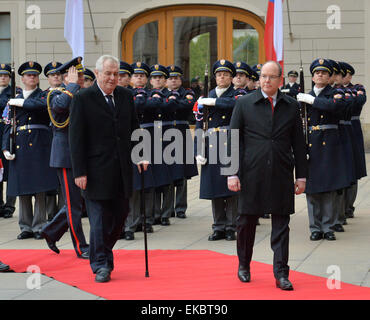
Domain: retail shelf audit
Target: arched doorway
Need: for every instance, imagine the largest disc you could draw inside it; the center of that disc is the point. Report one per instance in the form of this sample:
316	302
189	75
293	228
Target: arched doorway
193	36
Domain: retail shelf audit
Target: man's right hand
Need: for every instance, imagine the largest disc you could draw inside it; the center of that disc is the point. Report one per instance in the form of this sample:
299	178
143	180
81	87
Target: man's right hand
233	183
72	76
8	156
81	182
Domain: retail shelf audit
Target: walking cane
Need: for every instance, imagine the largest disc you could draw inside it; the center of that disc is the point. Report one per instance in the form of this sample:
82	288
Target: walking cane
142	209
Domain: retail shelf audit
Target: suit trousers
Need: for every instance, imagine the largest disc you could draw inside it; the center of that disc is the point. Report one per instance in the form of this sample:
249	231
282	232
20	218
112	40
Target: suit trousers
339	207
246	231
32	219
134	217
224	213
321	211
107	218
181	197
70	215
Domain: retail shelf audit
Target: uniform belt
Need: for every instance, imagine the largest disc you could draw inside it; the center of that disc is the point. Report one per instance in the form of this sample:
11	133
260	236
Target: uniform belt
146	125
323	127
176	122
355	118
346	123
219	128
167	123
32	126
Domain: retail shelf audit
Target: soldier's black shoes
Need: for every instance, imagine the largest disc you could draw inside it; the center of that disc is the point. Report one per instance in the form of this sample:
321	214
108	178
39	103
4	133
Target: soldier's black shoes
149	228
316	235
329	236
129	235
51	244
244	274
165	222
216	235
25	235
83	255
230	235
338	228
284	284
3	267
8	212
102	275
181	215
38	236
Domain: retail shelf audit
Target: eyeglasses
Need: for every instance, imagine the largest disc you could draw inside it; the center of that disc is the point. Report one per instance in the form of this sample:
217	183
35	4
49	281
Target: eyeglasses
264	77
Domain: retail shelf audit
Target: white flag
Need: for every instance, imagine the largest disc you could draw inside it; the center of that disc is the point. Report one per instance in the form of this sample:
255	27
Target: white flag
74	27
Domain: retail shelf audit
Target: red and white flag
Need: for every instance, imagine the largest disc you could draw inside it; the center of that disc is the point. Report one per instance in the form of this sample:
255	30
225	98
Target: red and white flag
274	37
74	27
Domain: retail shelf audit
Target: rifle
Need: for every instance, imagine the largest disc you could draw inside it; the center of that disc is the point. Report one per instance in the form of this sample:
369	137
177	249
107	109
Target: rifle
303	104
13	121
205	95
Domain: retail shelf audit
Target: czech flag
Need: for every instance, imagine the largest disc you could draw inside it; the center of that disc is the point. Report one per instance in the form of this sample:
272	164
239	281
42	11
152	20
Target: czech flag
274	37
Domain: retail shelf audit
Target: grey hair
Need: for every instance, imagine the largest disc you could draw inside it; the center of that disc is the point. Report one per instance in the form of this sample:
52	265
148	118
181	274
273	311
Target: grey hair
277	64
100	62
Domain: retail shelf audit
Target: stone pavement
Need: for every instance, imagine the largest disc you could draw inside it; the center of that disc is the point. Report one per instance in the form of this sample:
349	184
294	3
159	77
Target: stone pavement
351	251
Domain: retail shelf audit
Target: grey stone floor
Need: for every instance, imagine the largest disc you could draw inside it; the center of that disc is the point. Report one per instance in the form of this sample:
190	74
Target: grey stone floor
351	251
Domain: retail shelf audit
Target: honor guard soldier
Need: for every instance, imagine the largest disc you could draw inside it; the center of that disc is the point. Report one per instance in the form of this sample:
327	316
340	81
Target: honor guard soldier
243	79
55	80
358	98
164	116
31	156
124	75
327	164
183	101
257	70
59	101
140	76
213	185
89	78
292	88
6	209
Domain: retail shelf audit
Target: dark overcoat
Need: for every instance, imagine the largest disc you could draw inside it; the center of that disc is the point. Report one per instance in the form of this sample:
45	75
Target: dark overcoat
271	146
29	172
100	141
5	95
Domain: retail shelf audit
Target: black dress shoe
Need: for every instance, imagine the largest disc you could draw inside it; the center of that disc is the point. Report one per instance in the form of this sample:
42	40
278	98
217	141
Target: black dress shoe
83	255
244	274
3	267
349	215
25	235
8	212
173	214
38	236
345	222
338	228
181	215
51	244
149	228
129	235
139	227
316	235
266	216
165	222
216	235
329	236
102	275
284	284
230	235
157	221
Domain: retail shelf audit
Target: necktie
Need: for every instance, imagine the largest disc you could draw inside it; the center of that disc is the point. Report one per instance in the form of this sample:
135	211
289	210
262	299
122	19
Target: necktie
272	103
110	101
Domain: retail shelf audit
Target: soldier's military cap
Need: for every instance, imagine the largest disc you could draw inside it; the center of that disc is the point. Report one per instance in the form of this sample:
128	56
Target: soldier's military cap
335	66
74	62
342	68
88	74
30	67
293	73
124	67
174	71
224	65
158	70
242	67
348	68
321	64
51	68
5	69
141	67
255	75
257	68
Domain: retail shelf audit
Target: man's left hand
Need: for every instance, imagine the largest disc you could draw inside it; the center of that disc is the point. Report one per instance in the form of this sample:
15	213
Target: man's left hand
143	164
299	187
233	183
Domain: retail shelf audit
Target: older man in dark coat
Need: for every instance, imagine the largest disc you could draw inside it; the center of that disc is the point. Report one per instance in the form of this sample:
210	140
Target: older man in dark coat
271	145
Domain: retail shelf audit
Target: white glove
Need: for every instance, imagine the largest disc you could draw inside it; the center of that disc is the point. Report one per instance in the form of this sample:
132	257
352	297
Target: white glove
201	160
8	156
207	101
16	102
305	97
285	90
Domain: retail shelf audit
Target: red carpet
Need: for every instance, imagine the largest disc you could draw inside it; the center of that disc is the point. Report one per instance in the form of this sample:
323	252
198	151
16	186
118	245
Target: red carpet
177	275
